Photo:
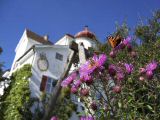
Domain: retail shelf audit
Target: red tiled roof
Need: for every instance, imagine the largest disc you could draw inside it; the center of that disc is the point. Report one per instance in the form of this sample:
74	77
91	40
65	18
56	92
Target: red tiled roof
85	33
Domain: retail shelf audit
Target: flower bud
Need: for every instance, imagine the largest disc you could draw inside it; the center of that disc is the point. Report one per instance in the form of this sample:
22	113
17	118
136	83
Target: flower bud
129	68
129	48
112	70
94	106
106	109
149	74
117	89
133	54
141	78
122	46
84	91
112	54
142	70
120	76
74	90
89	82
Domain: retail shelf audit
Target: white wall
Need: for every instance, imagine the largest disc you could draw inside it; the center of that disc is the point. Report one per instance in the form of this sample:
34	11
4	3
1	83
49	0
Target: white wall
56	67
64	40
24	44
27	59
87	42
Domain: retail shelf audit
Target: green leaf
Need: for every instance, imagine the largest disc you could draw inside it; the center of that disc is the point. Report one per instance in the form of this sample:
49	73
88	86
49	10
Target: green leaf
119	104
150	108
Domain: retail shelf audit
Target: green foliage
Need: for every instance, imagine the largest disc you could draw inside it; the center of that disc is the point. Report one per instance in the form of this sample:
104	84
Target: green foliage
149	32
64	106
15	103
140	99
122	30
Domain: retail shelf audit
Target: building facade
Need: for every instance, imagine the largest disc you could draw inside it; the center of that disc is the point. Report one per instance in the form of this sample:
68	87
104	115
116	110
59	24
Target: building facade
48	60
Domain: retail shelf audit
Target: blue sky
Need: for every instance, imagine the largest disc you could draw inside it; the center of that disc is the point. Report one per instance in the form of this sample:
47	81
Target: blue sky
57	17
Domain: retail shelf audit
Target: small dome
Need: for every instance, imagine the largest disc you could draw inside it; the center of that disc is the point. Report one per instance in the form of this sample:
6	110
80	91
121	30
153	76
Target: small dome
85	33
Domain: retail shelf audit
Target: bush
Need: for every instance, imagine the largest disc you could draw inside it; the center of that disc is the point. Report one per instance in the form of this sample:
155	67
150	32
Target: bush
16	99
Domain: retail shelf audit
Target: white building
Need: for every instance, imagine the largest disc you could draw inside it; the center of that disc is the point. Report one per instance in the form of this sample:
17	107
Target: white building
48	60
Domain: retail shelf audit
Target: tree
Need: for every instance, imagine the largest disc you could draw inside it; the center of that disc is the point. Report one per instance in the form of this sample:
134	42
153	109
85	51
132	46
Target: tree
151	31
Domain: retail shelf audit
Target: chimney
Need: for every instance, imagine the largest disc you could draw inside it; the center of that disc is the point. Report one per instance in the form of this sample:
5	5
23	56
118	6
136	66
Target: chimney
46	37
86	27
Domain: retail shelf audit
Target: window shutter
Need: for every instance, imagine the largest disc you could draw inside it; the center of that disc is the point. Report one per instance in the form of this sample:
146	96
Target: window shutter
43	83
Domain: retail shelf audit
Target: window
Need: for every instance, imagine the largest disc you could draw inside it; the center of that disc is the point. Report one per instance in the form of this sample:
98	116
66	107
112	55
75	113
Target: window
49	87
59	56
47	84
50	84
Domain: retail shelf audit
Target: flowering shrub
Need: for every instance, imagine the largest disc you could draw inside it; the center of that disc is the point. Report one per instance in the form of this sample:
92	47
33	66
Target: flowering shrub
118	82
123	86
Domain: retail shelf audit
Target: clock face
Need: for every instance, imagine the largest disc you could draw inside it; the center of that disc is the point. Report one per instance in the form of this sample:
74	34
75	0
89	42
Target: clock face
43	64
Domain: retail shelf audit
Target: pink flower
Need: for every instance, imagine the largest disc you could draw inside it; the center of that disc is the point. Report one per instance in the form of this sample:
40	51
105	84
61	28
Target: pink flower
101	60
54	118
69	79
85	77
129	68
151	66
127	41
87	68
91	65
86	118
98	61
